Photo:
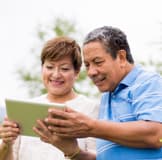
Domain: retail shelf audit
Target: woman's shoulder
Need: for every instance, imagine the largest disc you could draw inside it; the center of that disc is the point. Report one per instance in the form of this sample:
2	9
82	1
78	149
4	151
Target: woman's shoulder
82	103
41	98
85	100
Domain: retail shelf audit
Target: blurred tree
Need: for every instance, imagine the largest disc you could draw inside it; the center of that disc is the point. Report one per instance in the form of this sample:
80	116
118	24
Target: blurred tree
31	76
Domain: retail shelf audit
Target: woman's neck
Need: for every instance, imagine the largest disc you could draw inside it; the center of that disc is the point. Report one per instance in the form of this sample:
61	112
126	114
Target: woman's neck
61	98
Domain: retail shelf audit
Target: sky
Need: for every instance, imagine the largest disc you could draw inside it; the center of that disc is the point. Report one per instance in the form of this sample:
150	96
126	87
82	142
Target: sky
139	19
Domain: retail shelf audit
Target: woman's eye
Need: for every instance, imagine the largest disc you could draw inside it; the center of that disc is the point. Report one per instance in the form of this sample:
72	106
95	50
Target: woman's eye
49	67
65	69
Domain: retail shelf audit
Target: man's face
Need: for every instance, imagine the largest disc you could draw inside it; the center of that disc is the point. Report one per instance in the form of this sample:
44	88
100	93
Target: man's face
104	71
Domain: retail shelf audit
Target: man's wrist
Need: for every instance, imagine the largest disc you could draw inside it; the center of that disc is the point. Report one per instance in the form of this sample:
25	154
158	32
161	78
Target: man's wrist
93	130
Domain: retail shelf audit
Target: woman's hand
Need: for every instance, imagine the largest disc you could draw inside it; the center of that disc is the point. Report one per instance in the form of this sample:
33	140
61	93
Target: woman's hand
66	145
9	131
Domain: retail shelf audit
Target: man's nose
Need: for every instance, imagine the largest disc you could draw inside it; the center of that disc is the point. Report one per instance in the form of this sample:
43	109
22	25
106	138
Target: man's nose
92	71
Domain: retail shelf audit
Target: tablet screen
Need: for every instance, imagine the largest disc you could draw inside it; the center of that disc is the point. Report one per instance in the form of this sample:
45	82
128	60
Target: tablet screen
25	113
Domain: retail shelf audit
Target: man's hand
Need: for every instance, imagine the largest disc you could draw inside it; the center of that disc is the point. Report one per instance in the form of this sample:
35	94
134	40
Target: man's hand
70	123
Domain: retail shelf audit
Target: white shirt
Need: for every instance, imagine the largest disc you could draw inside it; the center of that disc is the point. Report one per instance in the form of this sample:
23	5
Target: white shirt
32	148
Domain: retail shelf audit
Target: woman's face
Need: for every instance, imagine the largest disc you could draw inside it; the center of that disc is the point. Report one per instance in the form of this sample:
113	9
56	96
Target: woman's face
59	76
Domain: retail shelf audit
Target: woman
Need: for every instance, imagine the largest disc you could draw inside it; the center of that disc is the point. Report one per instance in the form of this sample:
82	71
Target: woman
61	62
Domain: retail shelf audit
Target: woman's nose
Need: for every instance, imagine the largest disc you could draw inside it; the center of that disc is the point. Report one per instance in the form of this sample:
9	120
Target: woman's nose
55	72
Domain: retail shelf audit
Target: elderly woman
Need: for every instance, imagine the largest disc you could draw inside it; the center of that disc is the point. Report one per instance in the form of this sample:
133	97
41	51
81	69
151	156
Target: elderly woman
61	62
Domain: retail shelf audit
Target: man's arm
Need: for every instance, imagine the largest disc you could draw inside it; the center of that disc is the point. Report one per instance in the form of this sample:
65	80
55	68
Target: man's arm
140	134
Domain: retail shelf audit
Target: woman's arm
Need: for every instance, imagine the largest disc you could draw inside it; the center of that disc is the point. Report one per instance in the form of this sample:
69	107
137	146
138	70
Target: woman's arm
9	132
68	146
6	151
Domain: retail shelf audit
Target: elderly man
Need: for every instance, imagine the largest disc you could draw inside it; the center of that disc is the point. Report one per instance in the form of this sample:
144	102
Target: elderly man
130	118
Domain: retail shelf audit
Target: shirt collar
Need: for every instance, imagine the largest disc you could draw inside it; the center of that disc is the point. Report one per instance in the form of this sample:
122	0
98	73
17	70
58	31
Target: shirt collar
128	79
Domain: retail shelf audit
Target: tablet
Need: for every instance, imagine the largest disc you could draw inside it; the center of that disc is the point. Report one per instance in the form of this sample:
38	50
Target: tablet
25	113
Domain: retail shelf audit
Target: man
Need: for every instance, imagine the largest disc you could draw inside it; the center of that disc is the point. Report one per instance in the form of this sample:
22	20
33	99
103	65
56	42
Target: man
130	118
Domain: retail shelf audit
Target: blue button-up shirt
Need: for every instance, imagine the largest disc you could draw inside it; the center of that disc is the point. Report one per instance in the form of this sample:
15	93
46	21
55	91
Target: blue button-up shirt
137	97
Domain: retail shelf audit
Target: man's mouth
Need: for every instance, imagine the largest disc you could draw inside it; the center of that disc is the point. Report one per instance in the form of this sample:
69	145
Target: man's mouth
98	80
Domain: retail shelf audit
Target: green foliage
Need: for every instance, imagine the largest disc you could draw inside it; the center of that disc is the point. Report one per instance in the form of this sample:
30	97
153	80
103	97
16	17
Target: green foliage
31	77
63	27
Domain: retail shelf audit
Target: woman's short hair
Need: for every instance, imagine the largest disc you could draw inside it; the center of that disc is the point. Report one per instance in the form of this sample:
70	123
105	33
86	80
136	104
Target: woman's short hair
59	47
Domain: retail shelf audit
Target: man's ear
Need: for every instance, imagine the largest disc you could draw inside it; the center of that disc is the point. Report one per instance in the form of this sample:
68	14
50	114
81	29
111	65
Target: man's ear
121	54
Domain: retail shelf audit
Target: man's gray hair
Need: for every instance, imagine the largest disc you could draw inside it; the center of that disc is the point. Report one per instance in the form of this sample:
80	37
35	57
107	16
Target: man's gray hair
112	39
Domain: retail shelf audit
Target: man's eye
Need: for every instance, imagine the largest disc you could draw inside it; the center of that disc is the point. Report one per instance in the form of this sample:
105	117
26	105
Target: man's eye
98	62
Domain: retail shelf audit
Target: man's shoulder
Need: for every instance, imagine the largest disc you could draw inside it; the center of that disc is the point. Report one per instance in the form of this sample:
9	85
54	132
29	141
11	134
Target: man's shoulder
146	83
145	73
146	78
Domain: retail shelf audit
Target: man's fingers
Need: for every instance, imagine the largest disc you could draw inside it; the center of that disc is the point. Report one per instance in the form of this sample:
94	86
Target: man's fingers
62	114
58	122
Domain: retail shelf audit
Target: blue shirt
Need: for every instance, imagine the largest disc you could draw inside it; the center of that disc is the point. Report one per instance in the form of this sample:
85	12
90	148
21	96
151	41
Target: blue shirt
137	97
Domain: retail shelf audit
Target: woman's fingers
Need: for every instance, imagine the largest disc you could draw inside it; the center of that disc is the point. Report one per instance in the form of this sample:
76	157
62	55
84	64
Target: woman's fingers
9	131
41	130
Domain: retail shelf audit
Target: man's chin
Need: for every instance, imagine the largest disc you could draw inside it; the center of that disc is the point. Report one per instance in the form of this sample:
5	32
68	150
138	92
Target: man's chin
101	89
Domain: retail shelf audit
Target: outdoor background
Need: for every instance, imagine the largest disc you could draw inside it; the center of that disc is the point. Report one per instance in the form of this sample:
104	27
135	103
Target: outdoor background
24	22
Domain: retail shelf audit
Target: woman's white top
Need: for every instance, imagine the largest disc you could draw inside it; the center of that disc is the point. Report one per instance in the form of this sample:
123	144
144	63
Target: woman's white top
32	148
